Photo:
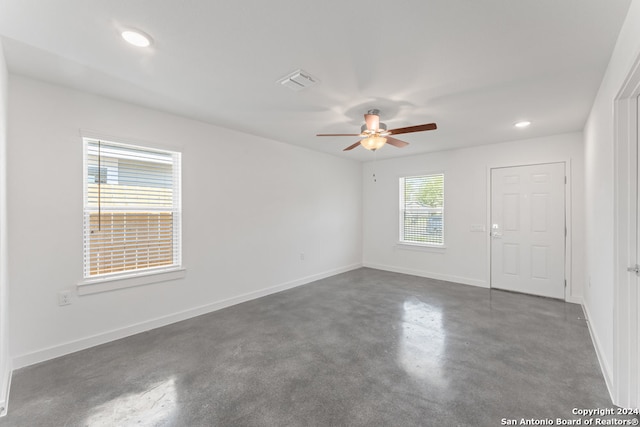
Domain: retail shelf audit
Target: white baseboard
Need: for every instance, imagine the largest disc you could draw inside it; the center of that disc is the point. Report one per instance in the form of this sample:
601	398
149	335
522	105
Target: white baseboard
430	275
606	369
574	300
91	341
5	386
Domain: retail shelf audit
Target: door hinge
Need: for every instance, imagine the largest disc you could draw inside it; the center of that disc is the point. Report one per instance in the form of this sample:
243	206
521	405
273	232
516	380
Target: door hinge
565	179
565	283
634	269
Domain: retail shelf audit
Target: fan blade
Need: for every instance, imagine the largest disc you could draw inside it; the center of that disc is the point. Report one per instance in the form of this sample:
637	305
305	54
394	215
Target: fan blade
351	147
409	129
338	134
372	121
396	142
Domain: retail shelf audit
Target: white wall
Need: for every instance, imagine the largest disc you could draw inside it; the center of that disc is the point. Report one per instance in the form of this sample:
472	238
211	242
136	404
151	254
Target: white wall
599	187
251	207
466	257
5	364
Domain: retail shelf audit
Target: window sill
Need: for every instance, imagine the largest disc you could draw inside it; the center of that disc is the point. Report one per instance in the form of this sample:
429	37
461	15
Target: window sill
105	284
421	248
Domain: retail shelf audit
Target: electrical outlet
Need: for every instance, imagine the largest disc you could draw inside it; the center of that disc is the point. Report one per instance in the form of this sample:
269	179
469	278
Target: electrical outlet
301	256
64	297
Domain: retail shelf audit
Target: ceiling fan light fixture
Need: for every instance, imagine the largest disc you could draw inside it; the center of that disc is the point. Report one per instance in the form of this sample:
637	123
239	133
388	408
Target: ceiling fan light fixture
373	142
374	134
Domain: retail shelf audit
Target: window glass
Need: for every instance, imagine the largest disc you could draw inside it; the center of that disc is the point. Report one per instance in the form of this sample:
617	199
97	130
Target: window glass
132	209
422	209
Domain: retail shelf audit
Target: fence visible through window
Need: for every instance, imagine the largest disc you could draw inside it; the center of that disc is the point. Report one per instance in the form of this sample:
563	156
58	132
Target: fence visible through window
131	208
422	209
127	241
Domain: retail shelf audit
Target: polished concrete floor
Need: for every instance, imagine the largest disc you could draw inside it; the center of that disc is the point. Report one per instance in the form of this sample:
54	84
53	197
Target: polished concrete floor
363	348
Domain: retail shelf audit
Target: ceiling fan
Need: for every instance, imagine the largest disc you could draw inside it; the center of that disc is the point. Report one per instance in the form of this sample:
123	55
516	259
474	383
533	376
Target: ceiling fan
374	133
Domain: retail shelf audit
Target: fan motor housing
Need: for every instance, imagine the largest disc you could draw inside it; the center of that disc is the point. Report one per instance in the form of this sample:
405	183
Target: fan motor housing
381	127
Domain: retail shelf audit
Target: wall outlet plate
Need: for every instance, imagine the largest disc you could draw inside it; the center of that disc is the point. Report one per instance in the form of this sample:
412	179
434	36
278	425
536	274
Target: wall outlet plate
64	297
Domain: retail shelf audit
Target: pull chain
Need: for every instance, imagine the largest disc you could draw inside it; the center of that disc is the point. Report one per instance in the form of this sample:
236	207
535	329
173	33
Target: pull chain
375	159
99	185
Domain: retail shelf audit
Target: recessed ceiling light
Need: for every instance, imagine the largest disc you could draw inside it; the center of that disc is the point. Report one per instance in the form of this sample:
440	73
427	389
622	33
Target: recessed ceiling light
522	124
136	38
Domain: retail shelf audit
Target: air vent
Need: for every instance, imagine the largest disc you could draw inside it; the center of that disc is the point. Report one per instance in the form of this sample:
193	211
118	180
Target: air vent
298	80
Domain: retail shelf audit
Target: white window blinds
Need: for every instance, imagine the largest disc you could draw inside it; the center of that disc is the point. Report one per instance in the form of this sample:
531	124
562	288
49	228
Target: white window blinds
132	209
422	209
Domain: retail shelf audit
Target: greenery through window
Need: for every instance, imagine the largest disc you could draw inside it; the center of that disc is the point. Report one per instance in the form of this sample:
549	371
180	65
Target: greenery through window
422	209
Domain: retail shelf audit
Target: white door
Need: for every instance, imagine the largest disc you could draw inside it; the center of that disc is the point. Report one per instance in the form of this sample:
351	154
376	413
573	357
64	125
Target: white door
632	309
627	288
528	229
635	305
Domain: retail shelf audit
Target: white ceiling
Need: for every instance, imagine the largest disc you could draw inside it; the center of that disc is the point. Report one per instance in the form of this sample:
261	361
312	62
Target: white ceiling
473	67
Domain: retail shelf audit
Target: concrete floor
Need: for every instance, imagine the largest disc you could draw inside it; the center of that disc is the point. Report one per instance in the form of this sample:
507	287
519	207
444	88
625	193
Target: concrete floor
364	348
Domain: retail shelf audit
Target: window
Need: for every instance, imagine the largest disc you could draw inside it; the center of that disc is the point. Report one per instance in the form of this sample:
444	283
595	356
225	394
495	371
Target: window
422	210
132	210
96	174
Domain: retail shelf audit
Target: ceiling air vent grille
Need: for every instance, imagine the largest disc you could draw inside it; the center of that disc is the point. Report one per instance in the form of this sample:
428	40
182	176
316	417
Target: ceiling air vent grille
298	80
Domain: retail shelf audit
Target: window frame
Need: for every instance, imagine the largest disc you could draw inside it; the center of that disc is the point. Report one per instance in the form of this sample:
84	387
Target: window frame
402	242
110	281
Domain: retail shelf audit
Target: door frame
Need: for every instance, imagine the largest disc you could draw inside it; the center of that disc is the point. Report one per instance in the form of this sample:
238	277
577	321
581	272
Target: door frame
625	389
568	296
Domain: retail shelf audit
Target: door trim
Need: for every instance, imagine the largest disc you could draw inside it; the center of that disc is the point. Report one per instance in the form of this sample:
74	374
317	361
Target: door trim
625	389
568	294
